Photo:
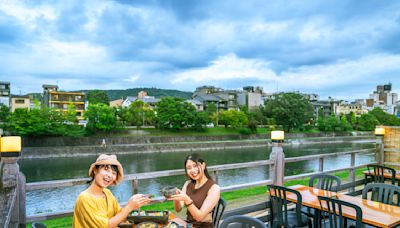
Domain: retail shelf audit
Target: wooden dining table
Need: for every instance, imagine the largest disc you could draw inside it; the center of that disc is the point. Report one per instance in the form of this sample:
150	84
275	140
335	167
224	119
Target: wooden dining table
387	176
374	213
171	218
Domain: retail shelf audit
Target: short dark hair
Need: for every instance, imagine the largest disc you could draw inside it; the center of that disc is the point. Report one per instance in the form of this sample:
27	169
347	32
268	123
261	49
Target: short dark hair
196	158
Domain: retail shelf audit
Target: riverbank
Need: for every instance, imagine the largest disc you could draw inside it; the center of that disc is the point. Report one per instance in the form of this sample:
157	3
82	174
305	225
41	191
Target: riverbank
91	146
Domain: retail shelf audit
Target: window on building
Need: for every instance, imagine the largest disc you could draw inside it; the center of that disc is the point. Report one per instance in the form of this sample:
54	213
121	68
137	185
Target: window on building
78	98
55	97
20	101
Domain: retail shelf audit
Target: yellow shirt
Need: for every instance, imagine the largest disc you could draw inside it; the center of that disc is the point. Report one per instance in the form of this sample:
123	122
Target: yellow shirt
92	211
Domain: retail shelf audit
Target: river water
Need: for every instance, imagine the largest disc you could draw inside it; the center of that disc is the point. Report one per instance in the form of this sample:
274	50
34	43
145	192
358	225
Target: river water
62	199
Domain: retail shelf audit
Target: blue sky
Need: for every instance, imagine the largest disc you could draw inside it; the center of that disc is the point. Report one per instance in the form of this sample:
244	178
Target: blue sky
341	49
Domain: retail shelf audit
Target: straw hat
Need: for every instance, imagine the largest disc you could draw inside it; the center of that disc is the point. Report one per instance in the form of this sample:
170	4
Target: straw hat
105	159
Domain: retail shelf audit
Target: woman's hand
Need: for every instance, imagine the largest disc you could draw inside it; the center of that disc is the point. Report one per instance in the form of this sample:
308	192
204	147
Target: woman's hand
181	196
138	200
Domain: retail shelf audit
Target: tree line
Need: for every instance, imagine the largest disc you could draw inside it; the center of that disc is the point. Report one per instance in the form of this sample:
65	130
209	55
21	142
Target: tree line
288	111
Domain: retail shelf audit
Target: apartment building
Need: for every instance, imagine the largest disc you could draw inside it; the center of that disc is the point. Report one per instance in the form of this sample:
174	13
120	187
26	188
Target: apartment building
344	108
5	95
20	102
383	98
60	100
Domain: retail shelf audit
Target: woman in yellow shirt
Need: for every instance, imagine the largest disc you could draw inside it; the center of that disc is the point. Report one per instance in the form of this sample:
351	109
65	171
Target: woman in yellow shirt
97	206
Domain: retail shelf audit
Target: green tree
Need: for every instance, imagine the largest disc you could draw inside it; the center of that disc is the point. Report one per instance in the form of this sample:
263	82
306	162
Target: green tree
101	118
291	110
385	118
367	122
345	125
97	96
233	118
4	112
138	114
175	114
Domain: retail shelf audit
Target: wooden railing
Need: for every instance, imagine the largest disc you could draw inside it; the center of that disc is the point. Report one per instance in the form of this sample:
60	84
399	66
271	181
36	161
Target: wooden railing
135	178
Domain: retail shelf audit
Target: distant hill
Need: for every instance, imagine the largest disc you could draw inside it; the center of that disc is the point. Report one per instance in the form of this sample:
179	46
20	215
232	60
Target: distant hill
115	94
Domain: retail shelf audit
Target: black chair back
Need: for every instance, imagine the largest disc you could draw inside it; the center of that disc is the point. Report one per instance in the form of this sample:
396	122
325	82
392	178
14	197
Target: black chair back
218	211
333	210
377	173
325	182
279	207
242	221
384	193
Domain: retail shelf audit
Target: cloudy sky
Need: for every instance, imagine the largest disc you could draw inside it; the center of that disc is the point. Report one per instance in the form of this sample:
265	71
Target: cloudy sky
341	49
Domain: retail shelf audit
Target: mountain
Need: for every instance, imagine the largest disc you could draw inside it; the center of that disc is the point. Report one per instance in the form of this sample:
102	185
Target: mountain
115	94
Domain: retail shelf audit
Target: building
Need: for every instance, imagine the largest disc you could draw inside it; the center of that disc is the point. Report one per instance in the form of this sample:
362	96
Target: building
384	99
325	107
116	103
60	100
20	102
251	97
5	94
344	108
142	96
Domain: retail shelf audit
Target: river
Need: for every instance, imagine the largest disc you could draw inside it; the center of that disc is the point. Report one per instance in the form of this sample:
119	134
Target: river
62	199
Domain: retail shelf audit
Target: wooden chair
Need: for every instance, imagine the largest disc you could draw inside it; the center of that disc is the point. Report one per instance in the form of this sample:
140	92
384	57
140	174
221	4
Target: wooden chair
377	174
333	210
218	211
242	221
384	193
281	215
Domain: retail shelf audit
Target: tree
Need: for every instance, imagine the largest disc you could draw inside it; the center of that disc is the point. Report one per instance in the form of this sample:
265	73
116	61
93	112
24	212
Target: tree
291	110
385	118
4	112
175	114
233	118
98	96
100	118
138	114
367	122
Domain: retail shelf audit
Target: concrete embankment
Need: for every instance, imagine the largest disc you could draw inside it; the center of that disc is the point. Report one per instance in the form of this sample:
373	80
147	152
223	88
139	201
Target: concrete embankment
89	146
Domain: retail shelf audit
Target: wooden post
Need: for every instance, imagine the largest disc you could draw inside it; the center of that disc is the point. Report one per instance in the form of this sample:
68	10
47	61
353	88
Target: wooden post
352	174
22	199
381	151
135	186
277	170
216	176
321	164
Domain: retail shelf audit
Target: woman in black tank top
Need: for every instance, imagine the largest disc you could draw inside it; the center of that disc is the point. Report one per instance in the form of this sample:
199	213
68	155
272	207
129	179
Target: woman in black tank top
199	194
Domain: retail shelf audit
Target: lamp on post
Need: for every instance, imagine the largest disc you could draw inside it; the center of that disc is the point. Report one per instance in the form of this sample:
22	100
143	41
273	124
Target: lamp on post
277	155
380	133
10	150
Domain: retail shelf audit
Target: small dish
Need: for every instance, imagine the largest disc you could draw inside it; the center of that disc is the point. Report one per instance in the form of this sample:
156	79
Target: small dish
168	191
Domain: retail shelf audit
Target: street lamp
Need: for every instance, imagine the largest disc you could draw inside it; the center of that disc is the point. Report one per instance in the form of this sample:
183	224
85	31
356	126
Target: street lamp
10	146
380	133
277	155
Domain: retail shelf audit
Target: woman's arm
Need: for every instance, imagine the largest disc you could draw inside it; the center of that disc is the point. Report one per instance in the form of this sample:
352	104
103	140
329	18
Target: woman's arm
208	205
134	202
178	204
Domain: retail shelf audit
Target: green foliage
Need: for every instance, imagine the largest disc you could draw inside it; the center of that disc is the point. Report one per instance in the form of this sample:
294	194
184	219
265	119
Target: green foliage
4	112
258	116
367	122
291	110
138	114
211	109
385	118
344	124
159	93
101	118
245	131
97	96
176	114
252	125
41	122
233	118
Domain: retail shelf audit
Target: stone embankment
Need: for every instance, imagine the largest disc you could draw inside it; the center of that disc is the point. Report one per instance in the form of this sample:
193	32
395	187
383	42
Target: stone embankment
89	146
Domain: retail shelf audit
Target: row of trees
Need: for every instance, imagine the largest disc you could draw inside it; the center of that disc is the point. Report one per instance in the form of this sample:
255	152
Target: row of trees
288	110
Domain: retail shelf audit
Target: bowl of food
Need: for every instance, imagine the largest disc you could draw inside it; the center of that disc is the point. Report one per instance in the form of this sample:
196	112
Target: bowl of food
147	224
168	191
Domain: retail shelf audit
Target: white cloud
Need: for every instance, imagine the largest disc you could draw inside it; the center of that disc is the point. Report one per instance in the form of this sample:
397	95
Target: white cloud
27	15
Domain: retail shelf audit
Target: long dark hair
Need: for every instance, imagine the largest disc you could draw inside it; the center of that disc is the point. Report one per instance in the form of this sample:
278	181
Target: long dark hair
198	160
97	167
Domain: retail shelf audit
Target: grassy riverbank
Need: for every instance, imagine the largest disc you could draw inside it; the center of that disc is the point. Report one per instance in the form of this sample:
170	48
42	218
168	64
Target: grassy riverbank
231	197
